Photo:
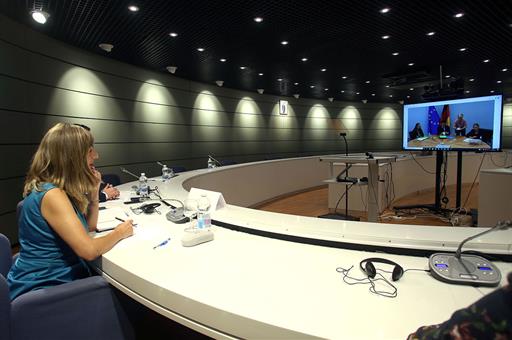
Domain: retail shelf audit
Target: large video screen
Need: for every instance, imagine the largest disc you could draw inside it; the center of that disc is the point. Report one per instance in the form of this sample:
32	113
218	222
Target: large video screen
461	124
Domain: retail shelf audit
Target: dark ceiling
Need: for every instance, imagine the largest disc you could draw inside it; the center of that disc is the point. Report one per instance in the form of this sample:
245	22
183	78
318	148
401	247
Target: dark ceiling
343	37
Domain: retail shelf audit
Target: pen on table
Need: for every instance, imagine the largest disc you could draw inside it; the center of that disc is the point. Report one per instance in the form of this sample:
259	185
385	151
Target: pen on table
120	219
163	243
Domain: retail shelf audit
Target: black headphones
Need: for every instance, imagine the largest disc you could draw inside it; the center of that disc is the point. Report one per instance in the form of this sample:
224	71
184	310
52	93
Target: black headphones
369	267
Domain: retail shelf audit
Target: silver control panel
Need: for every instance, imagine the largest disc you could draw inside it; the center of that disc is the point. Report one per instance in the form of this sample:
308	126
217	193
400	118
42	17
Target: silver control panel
467	270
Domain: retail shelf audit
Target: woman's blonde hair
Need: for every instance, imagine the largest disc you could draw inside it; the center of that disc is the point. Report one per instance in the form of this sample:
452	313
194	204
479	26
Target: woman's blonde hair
61	159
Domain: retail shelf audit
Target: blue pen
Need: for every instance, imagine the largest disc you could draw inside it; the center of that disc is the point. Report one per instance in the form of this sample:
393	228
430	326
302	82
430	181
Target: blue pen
162	243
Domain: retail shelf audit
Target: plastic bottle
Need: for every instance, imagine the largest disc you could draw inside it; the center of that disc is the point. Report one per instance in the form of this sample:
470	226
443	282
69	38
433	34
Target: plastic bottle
143	185
211	163
203	215
167	173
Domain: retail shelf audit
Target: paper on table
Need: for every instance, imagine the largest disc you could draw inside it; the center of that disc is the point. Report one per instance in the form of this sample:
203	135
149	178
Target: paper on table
107	218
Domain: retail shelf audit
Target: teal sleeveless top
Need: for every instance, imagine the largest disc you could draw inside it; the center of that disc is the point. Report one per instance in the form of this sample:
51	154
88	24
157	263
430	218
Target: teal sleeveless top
45	259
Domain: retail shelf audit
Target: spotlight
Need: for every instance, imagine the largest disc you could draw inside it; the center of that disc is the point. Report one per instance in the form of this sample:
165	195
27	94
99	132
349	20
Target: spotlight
219	82
106	47
260	91
296	95
172	69
364	101
331	99
401	102
40	16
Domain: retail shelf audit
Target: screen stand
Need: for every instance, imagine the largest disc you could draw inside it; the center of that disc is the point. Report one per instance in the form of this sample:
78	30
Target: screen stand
436	207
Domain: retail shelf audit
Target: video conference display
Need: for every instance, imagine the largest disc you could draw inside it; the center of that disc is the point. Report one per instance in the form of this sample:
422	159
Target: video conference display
461	124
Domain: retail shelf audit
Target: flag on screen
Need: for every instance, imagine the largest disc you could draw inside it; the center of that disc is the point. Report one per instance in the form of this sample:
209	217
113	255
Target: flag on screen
433	120
445	116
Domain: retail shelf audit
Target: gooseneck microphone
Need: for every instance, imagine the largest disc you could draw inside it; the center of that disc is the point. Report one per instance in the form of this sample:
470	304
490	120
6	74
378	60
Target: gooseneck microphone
128	172
216	161
467	269
502	225
160	163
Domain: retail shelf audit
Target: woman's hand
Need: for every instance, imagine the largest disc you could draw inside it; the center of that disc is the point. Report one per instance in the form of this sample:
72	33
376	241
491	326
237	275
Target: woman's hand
97	175
125	229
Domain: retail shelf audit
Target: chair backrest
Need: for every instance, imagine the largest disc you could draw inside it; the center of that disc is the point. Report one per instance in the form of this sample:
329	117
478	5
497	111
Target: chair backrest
5	255
111	179
178	168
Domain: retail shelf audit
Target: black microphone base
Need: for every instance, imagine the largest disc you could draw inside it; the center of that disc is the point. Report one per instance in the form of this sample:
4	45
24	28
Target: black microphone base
470	270
340	217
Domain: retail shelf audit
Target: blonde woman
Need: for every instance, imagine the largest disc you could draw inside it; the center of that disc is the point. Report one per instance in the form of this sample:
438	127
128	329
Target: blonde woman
60	207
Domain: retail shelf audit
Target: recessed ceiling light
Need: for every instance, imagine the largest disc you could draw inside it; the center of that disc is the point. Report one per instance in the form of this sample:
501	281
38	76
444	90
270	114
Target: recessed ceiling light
467	91
431	33
411	64
462	49
258	19
447	76
459	15
395	53
408	97
411	89
40	16
242	67
386	37
200	49
323	70
504	69
486	60
304	59
492	91
260	74
387	85
344	77
385	10
223	60
295	84
367	82
106	47
498	82
390	96
173	34
279	79
312	86
326	89
357	92
284	42
133	8
471	79
342	91
373	94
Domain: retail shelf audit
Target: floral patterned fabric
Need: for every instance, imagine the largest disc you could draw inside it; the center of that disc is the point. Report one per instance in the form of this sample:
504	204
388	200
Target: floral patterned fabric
488	318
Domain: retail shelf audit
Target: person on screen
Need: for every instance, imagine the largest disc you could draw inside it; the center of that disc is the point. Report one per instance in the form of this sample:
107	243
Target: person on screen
59	209
417	132
488	318
475	133
443	129
460	125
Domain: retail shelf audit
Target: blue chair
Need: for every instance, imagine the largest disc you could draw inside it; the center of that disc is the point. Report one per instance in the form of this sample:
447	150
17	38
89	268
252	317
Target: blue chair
82	309
228	162
111	179
178	168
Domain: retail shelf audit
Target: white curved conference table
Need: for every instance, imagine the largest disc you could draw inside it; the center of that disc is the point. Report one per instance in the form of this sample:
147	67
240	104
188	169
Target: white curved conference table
257	284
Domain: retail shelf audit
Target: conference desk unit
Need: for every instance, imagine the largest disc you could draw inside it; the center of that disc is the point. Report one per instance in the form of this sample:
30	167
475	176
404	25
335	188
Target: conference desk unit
271	275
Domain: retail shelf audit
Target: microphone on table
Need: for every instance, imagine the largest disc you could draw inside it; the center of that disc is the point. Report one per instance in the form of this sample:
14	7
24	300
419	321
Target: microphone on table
128	172
343	134
216	161
467	269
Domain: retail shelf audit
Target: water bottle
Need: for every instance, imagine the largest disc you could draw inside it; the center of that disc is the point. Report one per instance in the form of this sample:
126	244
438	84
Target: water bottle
143	185
211	163
166	173
203	215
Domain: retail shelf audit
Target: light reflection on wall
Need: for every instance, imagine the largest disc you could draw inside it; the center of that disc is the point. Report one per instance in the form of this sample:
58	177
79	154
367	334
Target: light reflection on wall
385	124
248	120
351	122
208	115
152	102
82	101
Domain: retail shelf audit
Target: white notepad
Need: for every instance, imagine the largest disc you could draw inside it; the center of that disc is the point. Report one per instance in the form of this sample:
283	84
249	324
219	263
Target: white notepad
107	218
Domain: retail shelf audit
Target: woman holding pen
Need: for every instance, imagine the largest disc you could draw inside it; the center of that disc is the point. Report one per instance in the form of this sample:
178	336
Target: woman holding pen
59	208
